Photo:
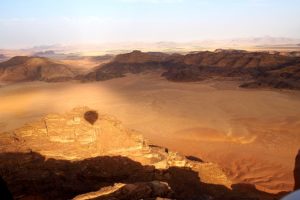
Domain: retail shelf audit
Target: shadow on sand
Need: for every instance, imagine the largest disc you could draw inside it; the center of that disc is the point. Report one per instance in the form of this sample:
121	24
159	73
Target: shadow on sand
31	176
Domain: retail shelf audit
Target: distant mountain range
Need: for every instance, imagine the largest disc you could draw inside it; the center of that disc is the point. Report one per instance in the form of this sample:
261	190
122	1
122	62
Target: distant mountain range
253	69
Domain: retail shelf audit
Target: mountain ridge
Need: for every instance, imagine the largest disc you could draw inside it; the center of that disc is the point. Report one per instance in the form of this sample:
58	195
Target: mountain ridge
256	69
252	69
26	68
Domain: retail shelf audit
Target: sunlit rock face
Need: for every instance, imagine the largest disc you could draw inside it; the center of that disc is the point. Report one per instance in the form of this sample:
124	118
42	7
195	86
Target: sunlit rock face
148	190
71	137
297	172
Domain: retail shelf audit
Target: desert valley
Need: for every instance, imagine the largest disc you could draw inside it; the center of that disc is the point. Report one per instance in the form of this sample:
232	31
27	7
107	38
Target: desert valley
149	100
237	109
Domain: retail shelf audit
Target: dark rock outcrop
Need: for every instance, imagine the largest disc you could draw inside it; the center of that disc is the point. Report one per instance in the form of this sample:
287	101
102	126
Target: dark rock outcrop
297	172
29	174
255	69
4	191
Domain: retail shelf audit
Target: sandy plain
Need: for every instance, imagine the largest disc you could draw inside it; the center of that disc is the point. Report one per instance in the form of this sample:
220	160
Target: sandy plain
253	134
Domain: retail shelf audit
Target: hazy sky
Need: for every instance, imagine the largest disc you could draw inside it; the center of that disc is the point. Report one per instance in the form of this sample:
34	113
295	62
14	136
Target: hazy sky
25	23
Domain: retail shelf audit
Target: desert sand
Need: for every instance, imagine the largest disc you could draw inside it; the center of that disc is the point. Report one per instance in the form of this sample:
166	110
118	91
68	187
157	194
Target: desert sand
253	134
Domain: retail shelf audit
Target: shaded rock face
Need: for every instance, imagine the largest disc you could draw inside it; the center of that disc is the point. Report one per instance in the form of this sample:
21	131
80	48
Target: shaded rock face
32	176
4	191
29	174
255	69
297	172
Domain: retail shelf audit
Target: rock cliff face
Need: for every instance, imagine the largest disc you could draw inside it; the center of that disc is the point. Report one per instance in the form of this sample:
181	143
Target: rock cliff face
297	171
71	156
23	68
256	69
